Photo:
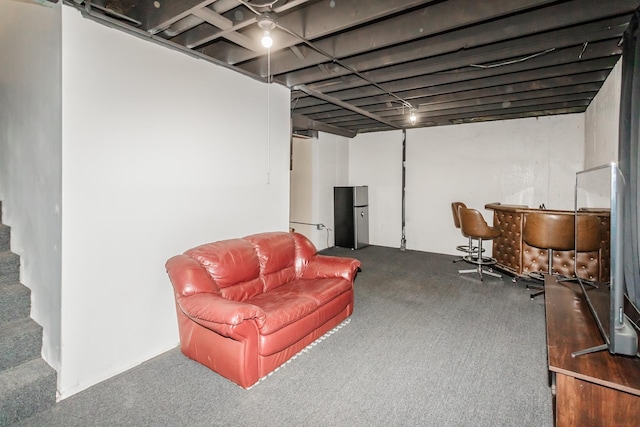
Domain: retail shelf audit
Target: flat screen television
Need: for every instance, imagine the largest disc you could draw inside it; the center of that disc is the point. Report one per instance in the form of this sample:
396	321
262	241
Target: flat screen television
600	189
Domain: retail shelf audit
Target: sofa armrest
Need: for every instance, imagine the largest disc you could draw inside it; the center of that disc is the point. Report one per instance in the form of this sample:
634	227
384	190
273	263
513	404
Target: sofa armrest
219	314
323	266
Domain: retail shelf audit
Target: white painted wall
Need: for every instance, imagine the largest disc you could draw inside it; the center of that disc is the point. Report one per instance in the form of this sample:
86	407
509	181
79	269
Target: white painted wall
30	155
161	152
602	122
525	161
375	160
319	164
331	160
301	196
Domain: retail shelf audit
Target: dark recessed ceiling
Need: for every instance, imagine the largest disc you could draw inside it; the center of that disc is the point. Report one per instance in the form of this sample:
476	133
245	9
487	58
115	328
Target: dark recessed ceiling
360	65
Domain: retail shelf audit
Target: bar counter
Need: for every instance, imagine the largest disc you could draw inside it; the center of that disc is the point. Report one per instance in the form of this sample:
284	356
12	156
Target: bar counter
515	257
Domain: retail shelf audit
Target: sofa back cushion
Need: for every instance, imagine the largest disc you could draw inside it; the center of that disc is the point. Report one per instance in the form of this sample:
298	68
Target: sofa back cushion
305	250
188	277
233	265
277	254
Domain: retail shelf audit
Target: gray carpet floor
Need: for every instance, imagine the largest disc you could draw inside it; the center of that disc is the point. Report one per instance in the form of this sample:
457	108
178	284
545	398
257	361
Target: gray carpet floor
424	347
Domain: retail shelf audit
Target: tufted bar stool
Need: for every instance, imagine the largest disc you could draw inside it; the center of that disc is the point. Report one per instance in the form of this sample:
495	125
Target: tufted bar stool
475	227
468	249
551	232
588	233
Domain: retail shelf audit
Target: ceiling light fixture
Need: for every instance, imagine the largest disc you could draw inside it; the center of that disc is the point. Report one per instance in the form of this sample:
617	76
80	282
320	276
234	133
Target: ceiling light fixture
266	40
267	22
413	119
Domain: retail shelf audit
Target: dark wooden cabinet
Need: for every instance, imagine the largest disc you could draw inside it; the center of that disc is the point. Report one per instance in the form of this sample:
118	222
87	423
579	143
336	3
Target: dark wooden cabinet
595	389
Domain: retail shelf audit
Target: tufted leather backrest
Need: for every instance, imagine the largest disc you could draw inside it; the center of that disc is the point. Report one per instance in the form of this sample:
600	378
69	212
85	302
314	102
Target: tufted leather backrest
507	248
605	248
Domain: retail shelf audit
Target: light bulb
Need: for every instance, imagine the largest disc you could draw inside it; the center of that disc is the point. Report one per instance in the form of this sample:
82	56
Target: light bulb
412	117
267	41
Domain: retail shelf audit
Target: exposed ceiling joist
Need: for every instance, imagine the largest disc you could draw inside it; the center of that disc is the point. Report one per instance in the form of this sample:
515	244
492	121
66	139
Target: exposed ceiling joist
345	105
356	66
300	122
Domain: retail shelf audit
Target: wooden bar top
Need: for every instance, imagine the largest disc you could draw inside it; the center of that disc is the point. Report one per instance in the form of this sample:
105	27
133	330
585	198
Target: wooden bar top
497	206
571	327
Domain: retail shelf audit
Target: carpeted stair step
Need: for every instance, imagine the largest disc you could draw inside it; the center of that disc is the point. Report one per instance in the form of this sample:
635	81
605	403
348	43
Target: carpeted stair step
26	390
5	237
27	383
20	341
15	302
9	268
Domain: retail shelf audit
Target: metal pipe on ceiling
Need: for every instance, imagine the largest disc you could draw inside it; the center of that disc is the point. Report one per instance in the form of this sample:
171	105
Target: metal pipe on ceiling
343	65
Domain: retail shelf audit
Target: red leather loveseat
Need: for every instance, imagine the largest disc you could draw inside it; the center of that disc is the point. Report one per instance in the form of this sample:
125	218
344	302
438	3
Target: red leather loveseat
246	306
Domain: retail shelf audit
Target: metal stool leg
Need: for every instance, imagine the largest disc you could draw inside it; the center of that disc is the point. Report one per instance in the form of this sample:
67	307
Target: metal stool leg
480	261
469	250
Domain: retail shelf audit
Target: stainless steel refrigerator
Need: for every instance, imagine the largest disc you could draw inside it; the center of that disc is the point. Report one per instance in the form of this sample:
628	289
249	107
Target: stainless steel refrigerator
351	216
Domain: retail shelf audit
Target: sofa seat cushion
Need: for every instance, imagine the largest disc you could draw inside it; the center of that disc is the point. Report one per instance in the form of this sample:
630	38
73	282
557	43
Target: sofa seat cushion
283	306
323	290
